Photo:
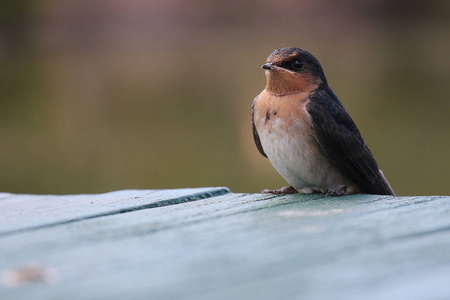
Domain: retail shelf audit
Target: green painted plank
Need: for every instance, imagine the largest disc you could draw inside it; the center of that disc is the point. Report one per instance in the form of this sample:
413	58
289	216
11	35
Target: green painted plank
26	212
247	247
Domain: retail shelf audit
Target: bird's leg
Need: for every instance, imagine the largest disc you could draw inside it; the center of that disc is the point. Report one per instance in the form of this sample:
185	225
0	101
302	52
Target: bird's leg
338	192
284	190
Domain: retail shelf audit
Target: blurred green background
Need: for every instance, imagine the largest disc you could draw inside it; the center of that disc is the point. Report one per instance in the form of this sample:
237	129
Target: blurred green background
107	95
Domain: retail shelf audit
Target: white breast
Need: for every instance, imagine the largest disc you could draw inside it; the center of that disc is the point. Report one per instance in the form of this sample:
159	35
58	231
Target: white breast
287	138
293	156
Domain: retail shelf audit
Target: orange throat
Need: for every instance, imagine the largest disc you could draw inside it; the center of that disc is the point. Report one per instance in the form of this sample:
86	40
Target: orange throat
283	82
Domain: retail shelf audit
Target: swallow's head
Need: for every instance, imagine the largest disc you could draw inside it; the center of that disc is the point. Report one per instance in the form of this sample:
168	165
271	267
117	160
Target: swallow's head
293	70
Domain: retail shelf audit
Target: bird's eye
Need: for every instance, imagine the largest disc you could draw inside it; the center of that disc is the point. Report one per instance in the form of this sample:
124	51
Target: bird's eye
297	64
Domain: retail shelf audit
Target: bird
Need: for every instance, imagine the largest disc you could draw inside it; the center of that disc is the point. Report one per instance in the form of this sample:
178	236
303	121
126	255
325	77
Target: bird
300	125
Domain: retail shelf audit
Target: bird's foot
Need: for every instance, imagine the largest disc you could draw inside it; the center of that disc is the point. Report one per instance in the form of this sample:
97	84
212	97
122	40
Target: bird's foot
283	190
336	193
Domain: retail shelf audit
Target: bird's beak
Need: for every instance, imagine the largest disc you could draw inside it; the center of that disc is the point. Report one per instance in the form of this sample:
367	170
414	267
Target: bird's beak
268	66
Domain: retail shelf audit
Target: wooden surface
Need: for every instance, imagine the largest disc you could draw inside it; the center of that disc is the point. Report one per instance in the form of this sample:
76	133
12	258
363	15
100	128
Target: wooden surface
208	243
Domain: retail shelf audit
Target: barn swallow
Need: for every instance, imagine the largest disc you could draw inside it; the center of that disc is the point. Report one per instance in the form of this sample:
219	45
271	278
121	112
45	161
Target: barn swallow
300	125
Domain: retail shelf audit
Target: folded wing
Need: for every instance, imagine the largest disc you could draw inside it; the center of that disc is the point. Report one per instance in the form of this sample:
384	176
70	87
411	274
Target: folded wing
342	143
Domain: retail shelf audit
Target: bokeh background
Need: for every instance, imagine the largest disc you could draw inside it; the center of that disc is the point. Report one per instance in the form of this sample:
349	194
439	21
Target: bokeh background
98	95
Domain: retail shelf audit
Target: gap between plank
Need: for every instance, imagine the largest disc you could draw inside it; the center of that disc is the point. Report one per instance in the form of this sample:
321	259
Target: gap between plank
162	203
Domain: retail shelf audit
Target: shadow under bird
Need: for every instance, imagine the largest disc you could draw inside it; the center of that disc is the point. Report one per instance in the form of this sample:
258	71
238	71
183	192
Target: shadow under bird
300	125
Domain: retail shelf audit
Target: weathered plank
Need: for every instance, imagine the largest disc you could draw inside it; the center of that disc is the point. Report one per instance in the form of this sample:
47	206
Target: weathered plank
246	246
25	212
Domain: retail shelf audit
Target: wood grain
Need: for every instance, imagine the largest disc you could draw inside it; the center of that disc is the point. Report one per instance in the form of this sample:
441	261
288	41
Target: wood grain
238	246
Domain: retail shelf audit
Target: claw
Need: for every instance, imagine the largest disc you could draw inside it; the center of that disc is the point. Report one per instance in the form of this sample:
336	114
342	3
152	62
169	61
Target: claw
282	191
336	193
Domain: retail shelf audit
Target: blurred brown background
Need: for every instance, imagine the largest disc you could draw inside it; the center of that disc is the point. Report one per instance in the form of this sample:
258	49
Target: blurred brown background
106	95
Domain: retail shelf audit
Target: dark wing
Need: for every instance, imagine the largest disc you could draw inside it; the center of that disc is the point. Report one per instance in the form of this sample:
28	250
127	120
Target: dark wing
255	133
342	143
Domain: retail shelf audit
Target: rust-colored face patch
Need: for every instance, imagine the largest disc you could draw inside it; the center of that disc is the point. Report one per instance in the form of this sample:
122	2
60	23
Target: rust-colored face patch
283	79
284	82
277	58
